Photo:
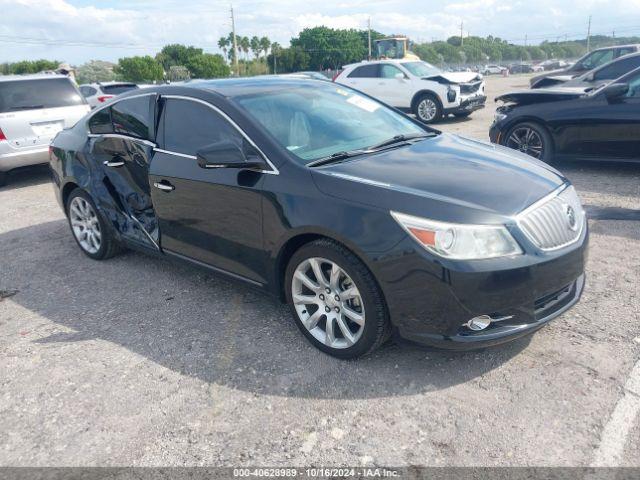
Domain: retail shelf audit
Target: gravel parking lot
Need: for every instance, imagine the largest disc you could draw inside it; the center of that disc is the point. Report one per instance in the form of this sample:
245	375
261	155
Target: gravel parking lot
140	361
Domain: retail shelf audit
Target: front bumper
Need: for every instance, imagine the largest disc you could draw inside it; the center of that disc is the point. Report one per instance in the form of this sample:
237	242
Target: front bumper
467	105
11	158
429	302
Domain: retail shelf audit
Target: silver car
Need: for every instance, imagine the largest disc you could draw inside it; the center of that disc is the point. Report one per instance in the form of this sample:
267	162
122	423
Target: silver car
98	93
33	109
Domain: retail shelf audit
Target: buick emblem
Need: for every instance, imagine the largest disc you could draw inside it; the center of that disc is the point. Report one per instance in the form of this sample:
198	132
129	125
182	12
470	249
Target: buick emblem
572	221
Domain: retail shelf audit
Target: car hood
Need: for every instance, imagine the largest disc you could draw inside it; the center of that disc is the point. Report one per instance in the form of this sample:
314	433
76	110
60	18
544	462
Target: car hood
542	95
469	180
454	77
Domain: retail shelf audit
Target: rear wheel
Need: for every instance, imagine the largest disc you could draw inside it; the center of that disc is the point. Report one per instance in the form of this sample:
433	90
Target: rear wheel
335	300
532	139
89	228
428	108
3	179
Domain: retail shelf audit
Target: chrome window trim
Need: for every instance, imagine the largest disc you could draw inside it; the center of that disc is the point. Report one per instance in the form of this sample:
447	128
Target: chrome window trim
274	170
124	137
178	154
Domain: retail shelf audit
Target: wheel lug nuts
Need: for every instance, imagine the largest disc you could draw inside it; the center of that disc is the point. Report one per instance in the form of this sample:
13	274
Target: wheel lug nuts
327	309
328	290
337	298
321	297
337	310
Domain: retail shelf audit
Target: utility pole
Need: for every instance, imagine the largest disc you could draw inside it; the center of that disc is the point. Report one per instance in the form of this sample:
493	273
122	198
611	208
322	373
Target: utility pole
235	43
461	33
589	35
525	39
369	24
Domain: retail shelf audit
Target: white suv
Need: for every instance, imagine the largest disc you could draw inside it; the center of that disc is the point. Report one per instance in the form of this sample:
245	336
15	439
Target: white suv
33	109
417	87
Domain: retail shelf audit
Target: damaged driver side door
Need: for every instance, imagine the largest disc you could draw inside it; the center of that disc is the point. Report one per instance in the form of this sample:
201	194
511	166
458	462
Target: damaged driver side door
122	146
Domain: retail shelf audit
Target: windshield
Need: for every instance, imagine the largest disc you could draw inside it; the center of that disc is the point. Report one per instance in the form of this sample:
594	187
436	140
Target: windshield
421	69
38	93
314	122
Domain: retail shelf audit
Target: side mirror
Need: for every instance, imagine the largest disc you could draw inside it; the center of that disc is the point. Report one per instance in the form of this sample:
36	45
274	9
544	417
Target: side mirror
615	91
590	77
226	154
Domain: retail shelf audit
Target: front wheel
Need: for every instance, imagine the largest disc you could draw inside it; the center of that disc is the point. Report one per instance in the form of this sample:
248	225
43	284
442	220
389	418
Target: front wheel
335	300
428	108
532	139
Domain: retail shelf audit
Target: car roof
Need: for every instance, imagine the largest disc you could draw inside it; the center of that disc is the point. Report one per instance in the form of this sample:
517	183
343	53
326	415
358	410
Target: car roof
636	45
233	87
33	76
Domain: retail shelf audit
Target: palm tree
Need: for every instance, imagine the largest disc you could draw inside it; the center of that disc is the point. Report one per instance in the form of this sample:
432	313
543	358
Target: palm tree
245	44
275	50
265	43
223	43
256	48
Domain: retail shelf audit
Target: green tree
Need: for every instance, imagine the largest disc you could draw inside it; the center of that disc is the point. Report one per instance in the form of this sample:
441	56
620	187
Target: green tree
254	43
287	60
139	69
329	48
176	54
33	66
208	65
95	71
223	43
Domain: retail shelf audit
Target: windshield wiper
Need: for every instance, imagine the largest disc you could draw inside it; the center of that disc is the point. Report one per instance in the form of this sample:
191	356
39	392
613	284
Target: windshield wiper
336	157
26	107
400	139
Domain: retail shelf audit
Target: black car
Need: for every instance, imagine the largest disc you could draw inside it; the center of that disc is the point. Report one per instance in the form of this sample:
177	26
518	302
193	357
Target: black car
589	61
610	71
571	124
364	220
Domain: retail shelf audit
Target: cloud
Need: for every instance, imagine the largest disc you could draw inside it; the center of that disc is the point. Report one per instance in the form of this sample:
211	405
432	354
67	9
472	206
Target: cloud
78	30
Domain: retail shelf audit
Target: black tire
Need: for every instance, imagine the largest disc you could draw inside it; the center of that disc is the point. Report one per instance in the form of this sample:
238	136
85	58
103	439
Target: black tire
377	327
546	154
108	243
438	108
3	178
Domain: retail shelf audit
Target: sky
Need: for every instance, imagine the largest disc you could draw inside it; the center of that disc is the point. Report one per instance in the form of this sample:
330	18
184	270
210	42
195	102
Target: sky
76	31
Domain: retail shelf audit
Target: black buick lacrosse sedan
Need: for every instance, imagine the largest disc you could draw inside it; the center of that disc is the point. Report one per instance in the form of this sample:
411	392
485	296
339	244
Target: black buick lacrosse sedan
364	221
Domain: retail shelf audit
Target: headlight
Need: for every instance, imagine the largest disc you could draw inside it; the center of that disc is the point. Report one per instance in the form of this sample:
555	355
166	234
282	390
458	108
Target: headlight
457	241
499	117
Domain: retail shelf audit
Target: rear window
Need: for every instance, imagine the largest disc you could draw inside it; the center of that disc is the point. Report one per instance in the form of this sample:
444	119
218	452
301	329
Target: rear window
118	89
36	94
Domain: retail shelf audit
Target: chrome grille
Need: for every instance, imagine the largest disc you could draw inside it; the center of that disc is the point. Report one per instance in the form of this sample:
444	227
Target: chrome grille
554	222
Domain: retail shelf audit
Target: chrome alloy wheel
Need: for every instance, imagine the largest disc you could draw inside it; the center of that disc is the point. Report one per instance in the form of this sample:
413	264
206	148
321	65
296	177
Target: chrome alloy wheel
527	140
85	225
328	303
427	109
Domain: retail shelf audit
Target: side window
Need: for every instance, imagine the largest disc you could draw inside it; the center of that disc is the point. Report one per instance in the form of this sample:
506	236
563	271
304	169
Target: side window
626	51
389	71
88	91
100	122
618	69
634	87
189	126
366	71
597	58
134	117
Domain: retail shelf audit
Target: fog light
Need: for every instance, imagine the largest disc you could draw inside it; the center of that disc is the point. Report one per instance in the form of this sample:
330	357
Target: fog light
479	323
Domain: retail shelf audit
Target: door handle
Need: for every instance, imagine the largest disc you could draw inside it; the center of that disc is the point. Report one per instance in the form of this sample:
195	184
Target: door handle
113	163
164	186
